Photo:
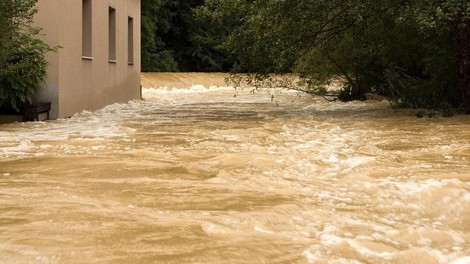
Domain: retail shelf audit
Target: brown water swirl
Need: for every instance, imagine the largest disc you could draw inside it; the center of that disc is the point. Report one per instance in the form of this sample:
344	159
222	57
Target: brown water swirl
217	175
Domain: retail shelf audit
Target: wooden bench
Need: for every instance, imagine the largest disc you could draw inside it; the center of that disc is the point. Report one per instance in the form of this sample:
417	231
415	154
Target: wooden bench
32	111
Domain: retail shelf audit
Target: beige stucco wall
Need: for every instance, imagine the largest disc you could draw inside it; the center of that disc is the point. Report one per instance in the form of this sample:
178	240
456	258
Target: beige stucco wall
75	84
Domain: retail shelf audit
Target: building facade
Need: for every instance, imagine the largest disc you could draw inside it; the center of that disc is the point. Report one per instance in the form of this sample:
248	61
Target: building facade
98	60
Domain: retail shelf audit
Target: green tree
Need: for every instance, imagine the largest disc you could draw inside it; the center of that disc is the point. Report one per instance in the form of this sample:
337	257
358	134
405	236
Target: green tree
155	23
457	13
22	63
319	39
173	39
216	22
408	50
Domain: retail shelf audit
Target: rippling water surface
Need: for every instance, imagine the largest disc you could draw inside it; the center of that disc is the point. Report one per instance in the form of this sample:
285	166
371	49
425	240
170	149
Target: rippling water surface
217	175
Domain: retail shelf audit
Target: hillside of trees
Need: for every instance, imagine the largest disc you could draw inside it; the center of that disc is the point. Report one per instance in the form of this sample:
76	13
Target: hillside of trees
415	52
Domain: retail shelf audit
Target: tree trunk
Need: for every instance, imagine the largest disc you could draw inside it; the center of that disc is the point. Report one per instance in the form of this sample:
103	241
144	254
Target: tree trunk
462	54
357	93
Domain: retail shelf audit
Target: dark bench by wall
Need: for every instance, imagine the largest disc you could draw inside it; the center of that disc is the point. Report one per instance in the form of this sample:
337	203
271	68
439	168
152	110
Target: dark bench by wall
32	111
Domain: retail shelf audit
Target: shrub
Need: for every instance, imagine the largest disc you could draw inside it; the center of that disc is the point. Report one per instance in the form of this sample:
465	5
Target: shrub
22	63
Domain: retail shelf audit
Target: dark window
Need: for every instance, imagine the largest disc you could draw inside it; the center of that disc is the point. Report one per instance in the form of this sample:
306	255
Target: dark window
130	40
112	34
87	28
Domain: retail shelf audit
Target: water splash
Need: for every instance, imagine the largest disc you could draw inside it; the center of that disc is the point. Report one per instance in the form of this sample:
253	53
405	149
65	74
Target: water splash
199	175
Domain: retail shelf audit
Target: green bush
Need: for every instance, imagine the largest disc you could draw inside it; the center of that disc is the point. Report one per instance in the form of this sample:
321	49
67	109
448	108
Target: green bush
22	63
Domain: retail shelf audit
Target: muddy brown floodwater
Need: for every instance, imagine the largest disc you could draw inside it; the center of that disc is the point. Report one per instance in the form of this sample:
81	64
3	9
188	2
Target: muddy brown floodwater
217	175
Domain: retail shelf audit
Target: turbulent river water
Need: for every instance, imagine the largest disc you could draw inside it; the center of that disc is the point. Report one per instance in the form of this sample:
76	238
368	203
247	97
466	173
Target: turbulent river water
218	175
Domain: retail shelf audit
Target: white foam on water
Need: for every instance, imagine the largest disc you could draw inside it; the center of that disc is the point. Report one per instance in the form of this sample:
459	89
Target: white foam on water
105	125
466	197
152	92
351	163
330	240
462	260
368	253
338	180
312	255
24	146
412	188
263	230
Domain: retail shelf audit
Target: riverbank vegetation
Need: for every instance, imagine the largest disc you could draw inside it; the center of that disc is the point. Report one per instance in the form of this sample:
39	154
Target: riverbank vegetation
22	63
173	39
417	53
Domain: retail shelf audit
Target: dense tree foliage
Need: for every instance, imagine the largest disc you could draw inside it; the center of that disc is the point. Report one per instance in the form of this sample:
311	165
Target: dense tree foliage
415	52
22	63
173	39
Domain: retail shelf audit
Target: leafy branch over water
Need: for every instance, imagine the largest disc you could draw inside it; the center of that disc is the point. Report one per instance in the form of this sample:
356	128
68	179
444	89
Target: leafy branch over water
417	53
280	81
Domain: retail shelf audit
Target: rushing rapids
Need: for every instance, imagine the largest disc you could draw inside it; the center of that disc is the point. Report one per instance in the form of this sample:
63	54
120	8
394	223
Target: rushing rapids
218	175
